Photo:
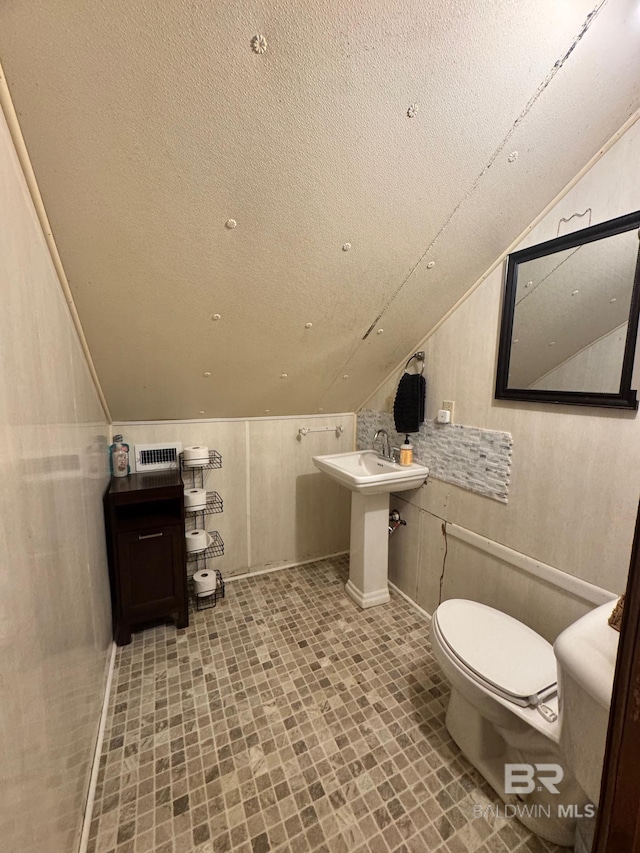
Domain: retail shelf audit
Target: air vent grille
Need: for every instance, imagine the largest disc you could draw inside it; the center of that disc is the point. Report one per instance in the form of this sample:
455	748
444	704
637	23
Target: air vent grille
157	457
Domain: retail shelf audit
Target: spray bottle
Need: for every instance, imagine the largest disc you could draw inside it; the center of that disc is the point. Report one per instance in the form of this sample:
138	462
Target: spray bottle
119	457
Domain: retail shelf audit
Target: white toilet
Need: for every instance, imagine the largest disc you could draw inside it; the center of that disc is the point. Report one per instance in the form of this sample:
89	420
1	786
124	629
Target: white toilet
504	706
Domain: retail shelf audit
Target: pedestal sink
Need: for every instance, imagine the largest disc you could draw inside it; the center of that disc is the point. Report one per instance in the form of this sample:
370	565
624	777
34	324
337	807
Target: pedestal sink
370	478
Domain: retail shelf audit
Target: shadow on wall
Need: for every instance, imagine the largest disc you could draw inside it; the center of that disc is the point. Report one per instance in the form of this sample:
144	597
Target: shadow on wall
322	518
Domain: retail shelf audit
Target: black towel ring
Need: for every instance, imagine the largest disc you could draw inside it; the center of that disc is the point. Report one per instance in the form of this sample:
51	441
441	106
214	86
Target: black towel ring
419	356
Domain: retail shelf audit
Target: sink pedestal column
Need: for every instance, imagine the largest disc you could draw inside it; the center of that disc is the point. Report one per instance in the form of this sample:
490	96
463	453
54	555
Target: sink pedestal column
368	563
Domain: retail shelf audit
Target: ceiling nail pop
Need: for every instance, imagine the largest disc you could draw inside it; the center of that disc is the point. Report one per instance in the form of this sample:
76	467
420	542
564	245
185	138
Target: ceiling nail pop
258	44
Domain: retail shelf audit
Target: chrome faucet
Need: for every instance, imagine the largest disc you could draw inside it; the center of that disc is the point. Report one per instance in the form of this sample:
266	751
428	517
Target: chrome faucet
385	449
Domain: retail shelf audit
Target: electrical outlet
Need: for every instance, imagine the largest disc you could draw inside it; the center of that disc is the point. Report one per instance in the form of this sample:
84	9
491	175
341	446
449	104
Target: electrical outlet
447	405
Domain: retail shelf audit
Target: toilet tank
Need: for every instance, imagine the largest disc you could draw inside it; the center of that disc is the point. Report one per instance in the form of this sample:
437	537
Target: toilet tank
586	656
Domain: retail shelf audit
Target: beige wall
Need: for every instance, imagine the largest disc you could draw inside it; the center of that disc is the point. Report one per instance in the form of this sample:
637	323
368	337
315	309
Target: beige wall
54	598
576	471
595	368
278	508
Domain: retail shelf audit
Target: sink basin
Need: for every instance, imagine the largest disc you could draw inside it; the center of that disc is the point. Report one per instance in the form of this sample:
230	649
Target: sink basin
365	472
370	479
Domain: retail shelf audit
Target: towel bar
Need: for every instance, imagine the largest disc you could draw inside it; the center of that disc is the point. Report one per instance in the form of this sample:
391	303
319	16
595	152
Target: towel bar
306	430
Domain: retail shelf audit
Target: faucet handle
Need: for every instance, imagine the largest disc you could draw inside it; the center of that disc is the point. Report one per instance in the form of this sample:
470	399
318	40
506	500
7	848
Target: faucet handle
395	454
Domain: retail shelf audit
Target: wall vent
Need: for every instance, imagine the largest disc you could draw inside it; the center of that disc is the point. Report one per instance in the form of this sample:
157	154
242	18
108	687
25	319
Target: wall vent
156	457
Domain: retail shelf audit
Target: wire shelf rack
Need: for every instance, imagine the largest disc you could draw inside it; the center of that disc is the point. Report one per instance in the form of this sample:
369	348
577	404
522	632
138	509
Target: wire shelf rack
214	505
216	549
204	602
196	472
215	461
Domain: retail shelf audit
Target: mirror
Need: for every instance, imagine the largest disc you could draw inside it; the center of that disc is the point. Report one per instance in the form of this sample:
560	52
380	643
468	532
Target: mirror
570	318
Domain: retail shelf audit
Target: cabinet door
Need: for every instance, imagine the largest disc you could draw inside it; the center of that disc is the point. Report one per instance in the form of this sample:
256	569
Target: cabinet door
151	571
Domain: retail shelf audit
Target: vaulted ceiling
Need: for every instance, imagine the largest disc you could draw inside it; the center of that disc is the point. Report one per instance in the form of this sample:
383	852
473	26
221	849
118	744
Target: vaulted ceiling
273	224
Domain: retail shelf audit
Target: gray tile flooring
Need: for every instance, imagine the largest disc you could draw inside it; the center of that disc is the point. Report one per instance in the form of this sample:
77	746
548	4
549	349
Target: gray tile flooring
288	719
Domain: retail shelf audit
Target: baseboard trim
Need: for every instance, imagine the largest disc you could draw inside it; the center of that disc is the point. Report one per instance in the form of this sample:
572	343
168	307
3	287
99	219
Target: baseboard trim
425	615
271	569
95	764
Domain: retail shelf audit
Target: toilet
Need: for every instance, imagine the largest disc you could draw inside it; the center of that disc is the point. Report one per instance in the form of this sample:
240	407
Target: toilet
504	710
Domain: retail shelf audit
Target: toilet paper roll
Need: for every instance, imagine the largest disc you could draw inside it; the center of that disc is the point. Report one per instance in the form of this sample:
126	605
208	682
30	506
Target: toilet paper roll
195	499
204	583
197	540
196	455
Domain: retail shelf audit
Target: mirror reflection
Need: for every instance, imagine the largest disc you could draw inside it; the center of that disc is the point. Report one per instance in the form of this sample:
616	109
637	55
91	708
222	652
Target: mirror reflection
571	317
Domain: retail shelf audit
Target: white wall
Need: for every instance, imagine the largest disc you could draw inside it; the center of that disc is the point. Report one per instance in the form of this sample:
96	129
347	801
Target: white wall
54	591
576	471
278	508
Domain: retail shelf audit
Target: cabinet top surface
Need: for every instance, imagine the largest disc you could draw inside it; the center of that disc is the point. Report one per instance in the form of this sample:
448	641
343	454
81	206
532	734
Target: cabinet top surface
142	482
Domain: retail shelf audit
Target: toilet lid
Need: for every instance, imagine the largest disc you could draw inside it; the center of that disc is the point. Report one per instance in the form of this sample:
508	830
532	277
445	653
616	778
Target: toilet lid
502	651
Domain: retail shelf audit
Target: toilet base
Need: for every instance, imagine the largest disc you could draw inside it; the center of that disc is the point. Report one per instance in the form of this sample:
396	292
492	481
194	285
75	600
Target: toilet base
489	747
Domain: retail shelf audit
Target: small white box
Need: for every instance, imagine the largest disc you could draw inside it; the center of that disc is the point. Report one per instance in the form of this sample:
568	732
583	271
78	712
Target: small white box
444	416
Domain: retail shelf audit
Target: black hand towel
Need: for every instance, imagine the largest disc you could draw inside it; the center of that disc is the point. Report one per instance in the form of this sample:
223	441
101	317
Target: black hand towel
408	408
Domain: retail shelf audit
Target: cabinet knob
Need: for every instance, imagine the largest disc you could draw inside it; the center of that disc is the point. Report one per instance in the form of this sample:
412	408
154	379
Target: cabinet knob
150	535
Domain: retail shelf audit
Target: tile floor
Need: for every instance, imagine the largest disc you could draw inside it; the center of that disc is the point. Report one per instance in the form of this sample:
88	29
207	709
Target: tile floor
288	719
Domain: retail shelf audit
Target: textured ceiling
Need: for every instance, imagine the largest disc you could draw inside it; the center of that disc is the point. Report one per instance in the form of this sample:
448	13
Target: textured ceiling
150	125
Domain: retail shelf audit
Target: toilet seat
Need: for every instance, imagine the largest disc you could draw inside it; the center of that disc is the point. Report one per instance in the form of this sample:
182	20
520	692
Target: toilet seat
503	655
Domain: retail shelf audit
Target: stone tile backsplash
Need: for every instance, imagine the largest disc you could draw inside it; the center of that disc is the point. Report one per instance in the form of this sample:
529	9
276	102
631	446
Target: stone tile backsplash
469	457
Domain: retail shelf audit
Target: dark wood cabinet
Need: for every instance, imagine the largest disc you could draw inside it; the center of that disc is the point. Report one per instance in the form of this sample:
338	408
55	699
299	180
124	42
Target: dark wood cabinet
144	516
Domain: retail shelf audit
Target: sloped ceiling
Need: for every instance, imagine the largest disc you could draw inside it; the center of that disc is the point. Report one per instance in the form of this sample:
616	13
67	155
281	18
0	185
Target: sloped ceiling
151	125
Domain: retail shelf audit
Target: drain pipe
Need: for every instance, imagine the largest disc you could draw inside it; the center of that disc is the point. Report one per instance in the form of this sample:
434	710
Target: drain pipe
395	521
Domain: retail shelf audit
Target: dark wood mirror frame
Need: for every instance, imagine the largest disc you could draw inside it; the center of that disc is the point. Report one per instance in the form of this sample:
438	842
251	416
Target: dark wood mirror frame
625	398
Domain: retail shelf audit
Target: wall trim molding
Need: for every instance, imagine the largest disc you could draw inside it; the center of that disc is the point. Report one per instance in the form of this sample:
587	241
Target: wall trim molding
233	420
577	587
425	614
95	763
249	575
247	486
